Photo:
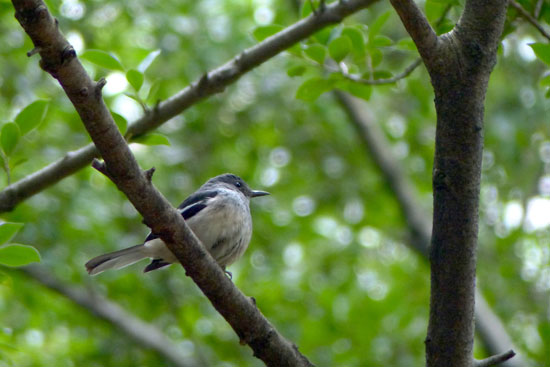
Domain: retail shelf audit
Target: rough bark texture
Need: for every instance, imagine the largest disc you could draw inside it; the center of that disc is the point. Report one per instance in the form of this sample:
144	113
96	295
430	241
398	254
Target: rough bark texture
459	64
59	59
211	83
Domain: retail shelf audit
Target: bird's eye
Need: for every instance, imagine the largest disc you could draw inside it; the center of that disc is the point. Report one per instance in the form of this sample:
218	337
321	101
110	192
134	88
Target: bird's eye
238	184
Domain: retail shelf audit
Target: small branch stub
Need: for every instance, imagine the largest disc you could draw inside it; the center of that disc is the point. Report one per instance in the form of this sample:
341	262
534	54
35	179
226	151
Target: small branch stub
149	174
68	54
101	167
495	360
34	51
99	86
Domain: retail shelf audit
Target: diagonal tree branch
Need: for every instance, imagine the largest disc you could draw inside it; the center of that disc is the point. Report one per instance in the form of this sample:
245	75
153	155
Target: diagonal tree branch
59	59
419	28
143	333
491	330
210	83
531	19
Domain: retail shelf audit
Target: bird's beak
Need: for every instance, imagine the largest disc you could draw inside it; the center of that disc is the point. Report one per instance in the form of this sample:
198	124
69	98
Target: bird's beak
258	193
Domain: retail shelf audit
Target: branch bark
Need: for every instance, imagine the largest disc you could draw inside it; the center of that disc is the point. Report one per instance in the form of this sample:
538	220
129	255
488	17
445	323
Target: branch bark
419	28
459	64
210	83
59	59
490	328
143	333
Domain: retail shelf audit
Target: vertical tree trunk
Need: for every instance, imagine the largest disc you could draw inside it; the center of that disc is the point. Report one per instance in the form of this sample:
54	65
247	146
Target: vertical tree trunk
460	75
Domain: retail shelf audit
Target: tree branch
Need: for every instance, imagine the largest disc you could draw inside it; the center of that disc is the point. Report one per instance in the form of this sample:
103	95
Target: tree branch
141	332
40	180
210	83
418	27
405	73
530	18
377	146
238	310
491	330
465	58
494	360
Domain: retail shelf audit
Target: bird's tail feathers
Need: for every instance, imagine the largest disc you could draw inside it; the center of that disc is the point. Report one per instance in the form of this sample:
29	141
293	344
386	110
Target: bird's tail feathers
116	260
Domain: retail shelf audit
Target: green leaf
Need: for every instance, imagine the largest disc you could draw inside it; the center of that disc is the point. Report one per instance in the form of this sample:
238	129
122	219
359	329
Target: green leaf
339	48
357	39
31	116
312	88
381	41
9	137
377	25
542	50
316	52
18	255
135	78
406	44
324	35
296	70
376	56
307	7
262	32
120	122
357	89
104	59
153	91
152	139
8	230
382	74
445	26
148	60
545	81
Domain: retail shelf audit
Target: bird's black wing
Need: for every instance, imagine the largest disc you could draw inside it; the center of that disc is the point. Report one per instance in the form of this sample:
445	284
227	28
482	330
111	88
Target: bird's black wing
198	197
191	206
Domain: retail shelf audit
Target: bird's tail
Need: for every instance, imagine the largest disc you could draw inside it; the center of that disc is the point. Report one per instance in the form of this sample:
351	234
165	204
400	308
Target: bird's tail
116	260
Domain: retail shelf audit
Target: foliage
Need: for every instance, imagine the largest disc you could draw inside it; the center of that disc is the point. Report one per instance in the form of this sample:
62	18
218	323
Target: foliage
328	263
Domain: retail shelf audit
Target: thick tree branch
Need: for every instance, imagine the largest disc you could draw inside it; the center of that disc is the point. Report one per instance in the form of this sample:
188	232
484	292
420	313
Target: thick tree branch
530	18
210	83
58	58
418	27
143	333
490	328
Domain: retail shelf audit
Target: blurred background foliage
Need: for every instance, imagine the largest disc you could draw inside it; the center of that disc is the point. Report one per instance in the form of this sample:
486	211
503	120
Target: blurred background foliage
329	263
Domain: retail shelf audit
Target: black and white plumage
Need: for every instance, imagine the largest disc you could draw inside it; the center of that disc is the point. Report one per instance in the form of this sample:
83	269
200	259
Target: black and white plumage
219	215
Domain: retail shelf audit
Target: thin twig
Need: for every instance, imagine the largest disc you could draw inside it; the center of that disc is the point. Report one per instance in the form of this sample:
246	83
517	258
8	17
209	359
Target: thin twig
405	73
494	360
530	18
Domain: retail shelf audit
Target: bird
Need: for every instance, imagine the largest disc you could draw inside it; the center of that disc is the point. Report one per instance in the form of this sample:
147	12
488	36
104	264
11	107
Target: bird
218	213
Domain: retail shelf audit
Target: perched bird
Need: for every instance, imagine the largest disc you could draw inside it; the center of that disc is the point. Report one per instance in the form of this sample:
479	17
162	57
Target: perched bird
219	215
